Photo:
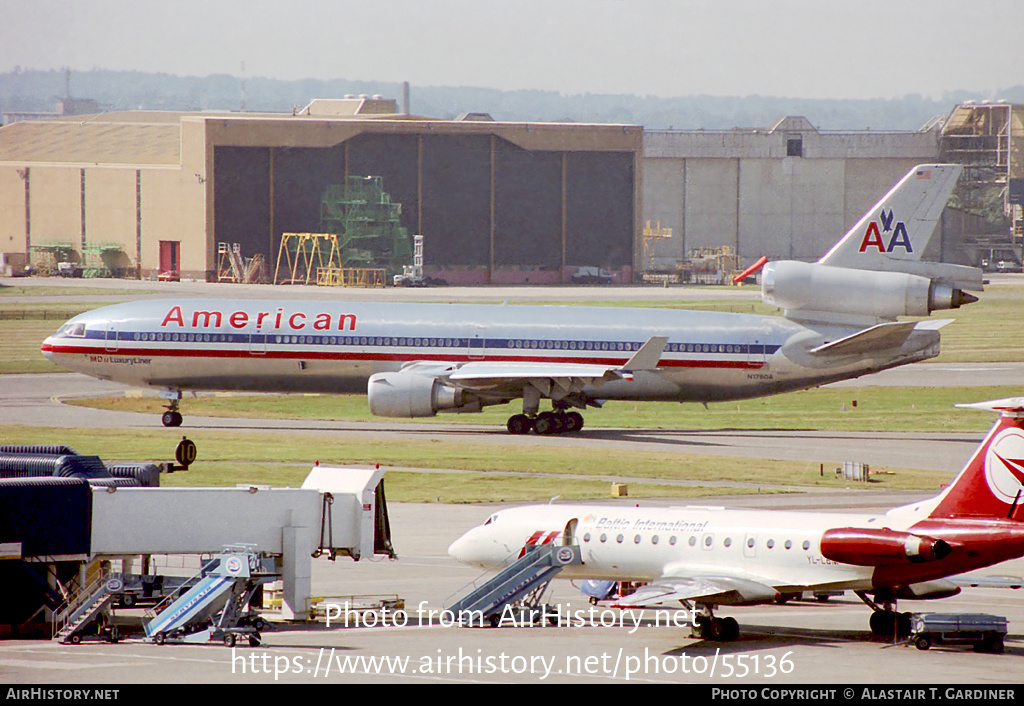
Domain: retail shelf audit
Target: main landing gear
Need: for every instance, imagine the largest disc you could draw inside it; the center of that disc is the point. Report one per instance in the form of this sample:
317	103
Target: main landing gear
556	422
708	627
885	621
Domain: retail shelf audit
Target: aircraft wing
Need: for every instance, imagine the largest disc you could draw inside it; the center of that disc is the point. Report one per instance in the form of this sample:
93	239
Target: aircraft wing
718	589
482	375
472	374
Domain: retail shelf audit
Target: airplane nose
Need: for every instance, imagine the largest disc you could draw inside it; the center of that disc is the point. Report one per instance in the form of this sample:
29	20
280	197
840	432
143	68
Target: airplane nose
458	549
47	347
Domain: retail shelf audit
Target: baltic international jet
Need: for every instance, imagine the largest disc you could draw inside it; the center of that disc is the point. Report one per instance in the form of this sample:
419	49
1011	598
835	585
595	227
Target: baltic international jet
415	360
709	557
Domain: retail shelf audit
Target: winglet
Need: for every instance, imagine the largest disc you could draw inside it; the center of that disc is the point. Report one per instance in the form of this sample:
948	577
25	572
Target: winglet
649	354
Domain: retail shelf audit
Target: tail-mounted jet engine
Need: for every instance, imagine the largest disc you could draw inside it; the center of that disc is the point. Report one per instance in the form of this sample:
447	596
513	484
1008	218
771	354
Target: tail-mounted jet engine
802	289
880	547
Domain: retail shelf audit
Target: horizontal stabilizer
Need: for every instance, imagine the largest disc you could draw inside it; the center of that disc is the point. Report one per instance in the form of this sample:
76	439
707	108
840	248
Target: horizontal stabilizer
649	354
875	338
971	581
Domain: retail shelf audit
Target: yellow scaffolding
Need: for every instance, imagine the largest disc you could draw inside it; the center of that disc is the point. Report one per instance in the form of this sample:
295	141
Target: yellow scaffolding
351	277
304	254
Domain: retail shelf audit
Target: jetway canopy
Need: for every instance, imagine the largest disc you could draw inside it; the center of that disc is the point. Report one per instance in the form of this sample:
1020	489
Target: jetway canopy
346	505
202	520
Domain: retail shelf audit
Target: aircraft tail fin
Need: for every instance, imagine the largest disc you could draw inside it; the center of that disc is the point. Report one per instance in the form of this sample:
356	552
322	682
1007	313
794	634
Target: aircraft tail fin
991	485
896	232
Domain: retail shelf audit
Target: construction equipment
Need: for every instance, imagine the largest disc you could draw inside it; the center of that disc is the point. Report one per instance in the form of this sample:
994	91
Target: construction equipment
367	223
412	275
360	235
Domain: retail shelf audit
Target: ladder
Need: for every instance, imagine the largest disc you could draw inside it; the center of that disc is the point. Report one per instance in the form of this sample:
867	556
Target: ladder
82	610
523	579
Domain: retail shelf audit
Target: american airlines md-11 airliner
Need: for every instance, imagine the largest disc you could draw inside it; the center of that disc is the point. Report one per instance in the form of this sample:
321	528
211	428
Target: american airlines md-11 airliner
708	557
415	360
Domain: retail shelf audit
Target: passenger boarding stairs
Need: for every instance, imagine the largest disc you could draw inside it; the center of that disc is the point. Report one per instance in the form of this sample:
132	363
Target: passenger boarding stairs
83	609
522	580
214	605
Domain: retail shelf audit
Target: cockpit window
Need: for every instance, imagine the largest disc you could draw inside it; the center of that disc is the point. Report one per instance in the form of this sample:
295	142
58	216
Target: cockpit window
490	519
76	330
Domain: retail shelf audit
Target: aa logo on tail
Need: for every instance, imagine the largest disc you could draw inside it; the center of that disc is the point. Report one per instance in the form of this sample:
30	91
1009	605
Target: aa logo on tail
1004	465
898	238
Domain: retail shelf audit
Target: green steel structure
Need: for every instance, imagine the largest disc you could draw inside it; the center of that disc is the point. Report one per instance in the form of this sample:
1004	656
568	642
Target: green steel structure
367	223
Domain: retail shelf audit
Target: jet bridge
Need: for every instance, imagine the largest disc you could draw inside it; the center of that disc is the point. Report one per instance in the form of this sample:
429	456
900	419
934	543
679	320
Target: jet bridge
344	506
58	531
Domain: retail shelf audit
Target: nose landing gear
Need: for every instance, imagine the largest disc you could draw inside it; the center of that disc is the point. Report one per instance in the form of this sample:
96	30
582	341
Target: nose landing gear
172	417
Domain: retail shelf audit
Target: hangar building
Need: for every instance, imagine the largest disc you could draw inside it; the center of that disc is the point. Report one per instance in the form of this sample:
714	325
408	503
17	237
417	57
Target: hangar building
788	191
150	192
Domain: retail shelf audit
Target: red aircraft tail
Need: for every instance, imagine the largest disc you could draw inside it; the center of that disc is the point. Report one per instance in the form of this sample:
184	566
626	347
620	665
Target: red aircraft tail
992	482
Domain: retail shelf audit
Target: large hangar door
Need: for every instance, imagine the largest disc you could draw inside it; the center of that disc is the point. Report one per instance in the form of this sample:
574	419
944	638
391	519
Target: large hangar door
599	209
242	202
456	187
527	208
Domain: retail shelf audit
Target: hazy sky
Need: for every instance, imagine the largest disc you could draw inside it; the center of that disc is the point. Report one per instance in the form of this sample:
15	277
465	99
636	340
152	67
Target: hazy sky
793	48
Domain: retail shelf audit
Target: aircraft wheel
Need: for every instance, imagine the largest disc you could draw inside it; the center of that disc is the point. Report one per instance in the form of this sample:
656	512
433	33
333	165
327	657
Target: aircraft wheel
882	623
922	643
519	424
716	630
573	421
171	419
701	627
546	423
730	629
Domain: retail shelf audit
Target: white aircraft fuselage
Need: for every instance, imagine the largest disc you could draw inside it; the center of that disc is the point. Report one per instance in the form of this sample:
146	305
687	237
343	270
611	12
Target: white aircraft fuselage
329	346
778	549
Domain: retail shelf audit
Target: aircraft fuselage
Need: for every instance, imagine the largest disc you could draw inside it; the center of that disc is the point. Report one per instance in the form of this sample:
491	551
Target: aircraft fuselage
278	346
778	548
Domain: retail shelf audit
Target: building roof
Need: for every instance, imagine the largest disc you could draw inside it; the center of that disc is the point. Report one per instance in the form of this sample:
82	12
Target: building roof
91	141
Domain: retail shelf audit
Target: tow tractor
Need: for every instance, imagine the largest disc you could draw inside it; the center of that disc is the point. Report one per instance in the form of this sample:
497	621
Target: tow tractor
215	608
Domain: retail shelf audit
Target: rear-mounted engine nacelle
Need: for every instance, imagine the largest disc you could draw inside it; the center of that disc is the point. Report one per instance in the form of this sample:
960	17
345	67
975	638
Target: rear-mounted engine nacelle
806	287
410	395
880	547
